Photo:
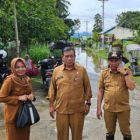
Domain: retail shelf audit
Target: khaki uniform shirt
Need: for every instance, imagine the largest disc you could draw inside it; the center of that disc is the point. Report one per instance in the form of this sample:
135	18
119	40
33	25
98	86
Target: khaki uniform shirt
116	95
69	89
9	93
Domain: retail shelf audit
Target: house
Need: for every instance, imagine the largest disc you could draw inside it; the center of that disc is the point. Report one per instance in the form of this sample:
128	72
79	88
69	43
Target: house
120	33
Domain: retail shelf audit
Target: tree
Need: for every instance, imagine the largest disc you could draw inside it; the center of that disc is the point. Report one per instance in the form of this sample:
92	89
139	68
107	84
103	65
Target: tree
63	13
129	19
97	27
38	20
6	20
62	8
96	38
137	36
73	25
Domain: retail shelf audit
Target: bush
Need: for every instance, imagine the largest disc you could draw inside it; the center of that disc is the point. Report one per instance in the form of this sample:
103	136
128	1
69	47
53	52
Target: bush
39	52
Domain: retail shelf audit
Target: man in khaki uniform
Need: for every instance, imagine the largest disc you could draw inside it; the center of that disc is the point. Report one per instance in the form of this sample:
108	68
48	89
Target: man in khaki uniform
71	92
114	84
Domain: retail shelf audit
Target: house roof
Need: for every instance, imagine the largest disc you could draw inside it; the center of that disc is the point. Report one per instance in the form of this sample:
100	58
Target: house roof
106	31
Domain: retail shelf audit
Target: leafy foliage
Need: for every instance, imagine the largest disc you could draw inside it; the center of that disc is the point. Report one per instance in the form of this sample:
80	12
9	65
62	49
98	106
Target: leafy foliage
129	19
39	52
96	38
39	20
117	42
63	13
62	8
137	36
97	27
73	25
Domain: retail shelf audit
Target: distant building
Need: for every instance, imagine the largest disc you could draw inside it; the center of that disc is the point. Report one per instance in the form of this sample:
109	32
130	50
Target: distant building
120	33
115	33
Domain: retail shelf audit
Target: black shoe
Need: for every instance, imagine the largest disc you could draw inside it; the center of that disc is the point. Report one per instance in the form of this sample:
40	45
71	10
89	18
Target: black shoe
110	137
127	137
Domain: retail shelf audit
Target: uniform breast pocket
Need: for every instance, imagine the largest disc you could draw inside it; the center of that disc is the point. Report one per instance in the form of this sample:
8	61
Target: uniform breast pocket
77	81
107	82
121	81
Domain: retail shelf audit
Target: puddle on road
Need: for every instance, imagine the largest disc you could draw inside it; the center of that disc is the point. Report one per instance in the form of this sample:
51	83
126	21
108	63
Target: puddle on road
93	64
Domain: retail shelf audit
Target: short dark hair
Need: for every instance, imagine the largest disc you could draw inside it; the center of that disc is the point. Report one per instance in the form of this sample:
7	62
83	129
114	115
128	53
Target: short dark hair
66	49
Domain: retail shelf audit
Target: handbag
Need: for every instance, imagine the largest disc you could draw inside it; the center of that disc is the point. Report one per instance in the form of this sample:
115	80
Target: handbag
27	115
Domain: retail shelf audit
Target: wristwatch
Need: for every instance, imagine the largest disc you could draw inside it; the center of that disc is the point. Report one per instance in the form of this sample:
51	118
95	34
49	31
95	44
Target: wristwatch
126	74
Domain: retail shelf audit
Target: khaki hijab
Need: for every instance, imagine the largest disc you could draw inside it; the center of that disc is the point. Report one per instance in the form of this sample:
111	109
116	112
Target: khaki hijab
20	80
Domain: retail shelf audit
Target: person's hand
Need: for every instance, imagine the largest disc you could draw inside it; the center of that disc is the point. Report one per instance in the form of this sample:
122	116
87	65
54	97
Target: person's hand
30	97
99	113
52	111
87	108
23	97
121	69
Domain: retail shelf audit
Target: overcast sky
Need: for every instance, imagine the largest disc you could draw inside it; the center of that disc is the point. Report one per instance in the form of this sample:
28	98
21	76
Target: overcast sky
85	10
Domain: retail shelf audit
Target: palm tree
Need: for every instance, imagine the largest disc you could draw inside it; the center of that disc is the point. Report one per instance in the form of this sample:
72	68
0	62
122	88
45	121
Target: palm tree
62	8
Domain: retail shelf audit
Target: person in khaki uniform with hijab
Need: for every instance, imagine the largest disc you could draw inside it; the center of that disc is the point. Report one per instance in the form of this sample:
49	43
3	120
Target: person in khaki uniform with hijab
114	84
69	96
16	88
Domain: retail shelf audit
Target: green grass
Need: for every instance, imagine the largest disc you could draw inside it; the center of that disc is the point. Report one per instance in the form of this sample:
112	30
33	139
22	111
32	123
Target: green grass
102	53
38	86
36	82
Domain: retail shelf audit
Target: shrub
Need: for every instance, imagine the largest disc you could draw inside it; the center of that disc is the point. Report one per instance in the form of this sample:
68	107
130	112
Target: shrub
39	52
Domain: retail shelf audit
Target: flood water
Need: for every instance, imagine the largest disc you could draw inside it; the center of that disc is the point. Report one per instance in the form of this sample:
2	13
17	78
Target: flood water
92	64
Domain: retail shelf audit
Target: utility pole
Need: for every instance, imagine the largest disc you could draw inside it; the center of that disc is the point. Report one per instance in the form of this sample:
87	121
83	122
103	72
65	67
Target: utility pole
16	29
103	20
87	25
85	43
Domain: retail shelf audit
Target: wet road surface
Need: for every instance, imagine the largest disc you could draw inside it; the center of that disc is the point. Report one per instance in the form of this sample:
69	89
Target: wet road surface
93	128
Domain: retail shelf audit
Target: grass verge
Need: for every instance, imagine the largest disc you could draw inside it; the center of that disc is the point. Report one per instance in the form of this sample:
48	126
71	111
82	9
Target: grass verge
36	82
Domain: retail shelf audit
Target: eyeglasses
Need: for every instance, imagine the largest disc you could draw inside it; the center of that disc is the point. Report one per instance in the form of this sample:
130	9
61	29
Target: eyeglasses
20	68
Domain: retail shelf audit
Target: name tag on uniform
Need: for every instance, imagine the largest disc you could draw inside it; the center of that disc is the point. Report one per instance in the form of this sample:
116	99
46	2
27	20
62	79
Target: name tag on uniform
60	77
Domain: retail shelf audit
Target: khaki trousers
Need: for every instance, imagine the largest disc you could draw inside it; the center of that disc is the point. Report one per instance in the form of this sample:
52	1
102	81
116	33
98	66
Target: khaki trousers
65	121
123	119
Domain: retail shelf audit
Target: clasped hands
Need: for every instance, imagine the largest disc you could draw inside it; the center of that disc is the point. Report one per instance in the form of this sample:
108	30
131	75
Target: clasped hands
26	97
